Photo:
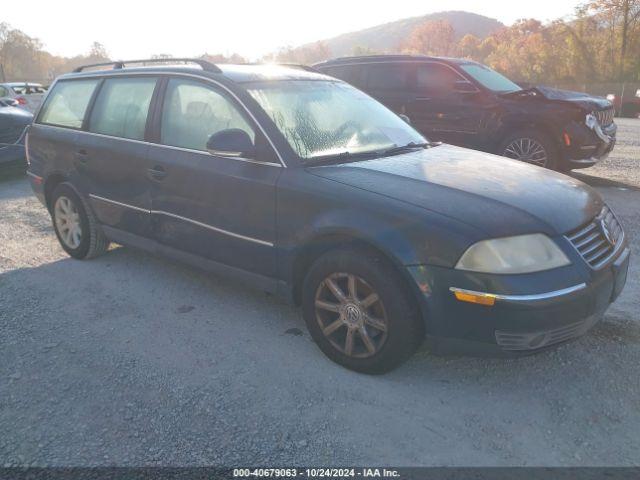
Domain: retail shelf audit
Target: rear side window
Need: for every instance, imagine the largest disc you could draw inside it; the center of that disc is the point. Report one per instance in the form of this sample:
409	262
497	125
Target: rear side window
122	106
349	73
387	76
193	112
67	103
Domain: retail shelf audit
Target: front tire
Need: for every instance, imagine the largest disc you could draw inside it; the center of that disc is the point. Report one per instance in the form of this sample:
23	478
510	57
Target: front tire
531	146
359	312
75	224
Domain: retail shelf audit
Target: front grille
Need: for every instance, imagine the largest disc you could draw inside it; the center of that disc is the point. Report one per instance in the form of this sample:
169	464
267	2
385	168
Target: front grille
604	117
535	340
11	134
597	241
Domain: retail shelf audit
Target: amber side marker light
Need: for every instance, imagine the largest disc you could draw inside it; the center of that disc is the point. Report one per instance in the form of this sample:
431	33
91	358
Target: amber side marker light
567	139
486	299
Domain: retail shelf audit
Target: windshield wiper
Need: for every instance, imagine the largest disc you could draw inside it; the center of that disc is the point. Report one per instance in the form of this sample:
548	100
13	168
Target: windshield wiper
411	146
343	157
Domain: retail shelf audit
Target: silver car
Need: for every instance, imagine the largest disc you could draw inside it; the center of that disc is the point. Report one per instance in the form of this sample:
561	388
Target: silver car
24	95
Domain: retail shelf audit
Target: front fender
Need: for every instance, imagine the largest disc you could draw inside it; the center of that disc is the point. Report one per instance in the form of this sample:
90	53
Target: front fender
311	208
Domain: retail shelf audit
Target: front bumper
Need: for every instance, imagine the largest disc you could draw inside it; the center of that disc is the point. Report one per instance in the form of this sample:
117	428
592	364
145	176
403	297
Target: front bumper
590	144
517	322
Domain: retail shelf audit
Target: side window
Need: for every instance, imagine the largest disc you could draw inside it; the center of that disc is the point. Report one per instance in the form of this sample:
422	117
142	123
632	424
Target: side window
349	73
122	106
3	92
193	112
67	103
387	76
433	78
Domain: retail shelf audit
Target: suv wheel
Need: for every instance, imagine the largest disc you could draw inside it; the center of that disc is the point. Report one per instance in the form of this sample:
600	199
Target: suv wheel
358	311
75	225
530	146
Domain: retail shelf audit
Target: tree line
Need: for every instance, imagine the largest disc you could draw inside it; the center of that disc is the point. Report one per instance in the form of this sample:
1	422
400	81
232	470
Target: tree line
601	43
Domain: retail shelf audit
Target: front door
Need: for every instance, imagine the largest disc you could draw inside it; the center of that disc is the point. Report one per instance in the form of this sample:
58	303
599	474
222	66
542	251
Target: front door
111	156
440	111
215	207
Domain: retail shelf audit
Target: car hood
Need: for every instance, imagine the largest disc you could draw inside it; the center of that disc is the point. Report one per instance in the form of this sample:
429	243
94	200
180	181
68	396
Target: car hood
498	195
584	100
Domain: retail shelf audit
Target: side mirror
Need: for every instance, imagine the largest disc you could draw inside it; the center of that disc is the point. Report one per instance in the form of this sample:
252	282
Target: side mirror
231	142
405	118
462	86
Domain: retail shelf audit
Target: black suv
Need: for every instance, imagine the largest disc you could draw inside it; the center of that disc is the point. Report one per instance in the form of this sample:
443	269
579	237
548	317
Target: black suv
305	186
465	103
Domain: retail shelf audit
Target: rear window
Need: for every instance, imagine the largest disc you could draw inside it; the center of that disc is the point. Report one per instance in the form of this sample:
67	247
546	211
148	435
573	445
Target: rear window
349	73
67	103
122	106
387	76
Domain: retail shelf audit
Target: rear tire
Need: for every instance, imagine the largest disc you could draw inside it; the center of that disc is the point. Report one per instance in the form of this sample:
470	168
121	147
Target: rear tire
530	146
75	224
383	318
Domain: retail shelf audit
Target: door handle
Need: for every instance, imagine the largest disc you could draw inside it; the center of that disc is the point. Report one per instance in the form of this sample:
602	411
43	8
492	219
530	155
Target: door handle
82	156
423	98
157	173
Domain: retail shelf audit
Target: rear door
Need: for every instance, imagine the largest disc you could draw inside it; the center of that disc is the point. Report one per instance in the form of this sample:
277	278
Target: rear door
111	153
388	83
215	207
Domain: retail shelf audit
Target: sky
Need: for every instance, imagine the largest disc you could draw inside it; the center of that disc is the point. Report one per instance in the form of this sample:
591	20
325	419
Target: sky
141	28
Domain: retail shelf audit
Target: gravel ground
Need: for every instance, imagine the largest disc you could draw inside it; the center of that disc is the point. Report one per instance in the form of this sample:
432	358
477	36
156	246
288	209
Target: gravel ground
131	359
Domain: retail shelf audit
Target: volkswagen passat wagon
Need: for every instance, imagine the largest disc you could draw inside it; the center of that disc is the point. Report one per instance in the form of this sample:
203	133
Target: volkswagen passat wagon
305	186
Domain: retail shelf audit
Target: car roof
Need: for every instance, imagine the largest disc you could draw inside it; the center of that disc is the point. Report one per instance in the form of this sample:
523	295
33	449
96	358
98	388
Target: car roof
21	84
391	59
238	73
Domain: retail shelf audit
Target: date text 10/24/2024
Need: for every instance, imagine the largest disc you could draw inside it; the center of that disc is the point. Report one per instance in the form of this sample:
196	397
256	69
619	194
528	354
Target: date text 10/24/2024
315	472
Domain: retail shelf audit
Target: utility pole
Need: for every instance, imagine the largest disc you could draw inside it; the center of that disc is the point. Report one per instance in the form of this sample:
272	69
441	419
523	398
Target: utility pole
625	32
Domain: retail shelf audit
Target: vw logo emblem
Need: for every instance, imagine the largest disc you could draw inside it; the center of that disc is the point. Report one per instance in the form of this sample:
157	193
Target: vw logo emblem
606	232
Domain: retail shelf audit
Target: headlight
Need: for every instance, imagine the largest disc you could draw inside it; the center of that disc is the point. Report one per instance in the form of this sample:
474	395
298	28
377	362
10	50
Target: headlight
521	254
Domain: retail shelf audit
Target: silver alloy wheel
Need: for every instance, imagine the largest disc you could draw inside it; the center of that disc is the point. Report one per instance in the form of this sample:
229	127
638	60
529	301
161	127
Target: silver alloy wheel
67	221
351	315
527	150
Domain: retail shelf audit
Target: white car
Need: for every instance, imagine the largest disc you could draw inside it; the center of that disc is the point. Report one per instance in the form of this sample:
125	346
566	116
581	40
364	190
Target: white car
27	95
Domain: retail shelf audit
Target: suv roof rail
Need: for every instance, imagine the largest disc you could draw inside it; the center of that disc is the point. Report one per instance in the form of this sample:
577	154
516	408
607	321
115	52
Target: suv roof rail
119	64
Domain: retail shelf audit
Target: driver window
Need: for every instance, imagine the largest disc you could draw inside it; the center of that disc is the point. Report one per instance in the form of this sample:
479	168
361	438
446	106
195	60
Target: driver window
193	112
436	79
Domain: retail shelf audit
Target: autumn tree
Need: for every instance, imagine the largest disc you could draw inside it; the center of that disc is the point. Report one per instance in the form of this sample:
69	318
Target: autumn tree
623	20
434	37
305	55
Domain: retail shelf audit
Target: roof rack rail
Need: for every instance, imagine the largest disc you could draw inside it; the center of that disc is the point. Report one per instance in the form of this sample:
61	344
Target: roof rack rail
307	68
119	64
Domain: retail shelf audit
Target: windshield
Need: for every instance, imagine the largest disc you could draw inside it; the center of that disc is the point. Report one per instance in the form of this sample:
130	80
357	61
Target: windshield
321	118
490	78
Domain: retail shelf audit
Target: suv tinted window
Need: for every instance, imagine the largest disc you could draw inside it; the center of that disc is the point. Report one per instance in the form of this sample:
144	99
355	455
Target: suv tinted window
387	76
192	112
436	78
67	103
349	73
122	106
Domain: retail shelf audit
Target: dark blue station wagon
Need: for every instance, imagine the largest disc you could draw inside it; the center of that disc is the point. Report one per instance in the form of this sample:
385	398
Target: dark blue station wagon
304	186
